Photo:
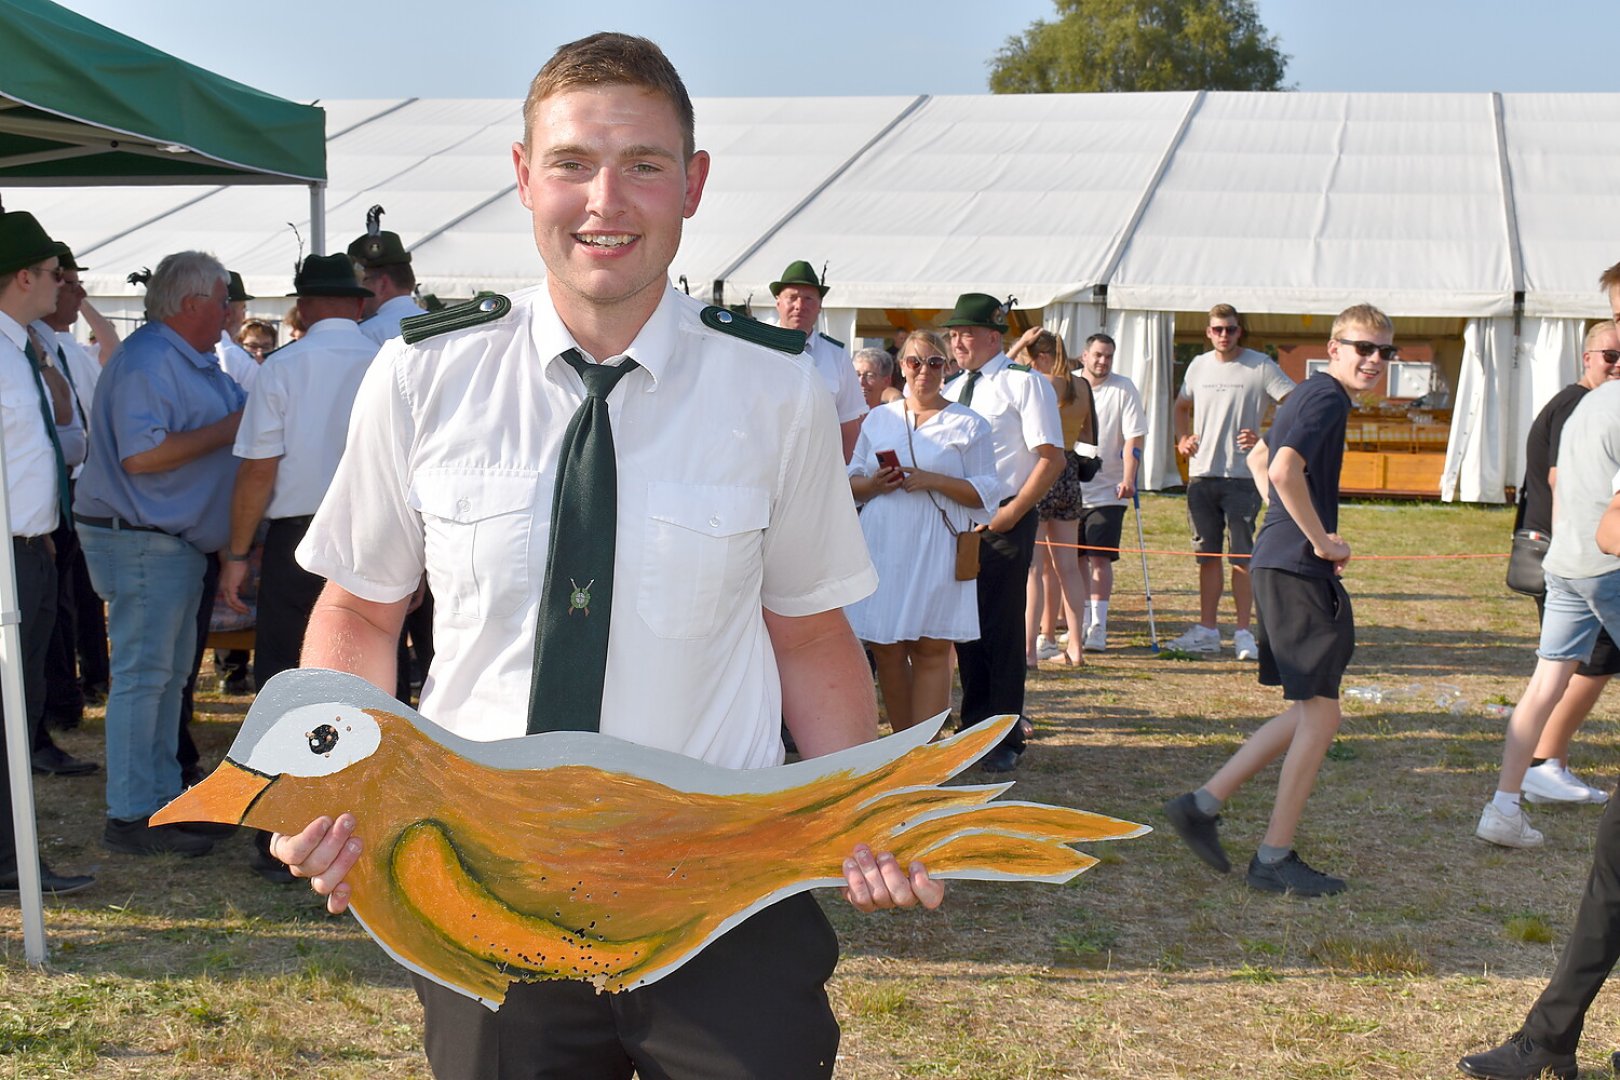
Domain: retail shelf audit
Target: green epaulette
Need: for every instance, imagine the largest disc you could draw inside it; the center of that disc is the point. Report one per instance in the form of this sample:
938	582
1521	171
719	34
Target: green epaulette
1018	367
772	337
482	308
952	378
834	340
273	351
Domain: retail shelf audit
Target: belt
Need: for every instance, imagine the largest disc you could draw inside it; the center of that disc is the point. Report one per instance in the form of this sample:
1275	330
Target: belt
117	524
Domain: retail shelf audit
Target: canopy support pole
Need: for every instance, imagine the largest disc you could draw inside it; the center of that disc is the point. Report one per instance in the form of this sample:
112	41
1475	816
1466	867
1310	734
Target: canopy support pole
317	218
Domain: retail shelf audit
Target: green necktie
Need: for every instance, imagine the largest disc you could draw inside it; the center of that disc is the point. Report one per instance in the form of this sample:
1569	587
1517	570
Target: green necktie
67	373
967	389
45	410
571	628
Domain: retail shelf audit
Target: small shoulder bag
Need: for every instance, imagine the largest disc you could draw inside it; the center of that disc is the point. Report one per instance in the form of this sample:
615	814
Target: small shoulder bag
967	540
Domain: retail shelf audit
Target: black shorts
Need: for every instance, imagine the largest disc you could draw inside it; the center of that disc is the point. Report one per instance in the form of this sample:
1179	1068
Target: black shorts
1605	654
1101	527
1217	505
1307	633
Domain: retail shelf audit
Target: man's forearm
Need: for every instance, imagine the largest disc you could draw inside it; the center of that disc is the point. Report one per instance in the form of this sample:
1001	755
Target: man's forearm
1132	459
1038	483
181	447
255	480
346	633
827	696
1287	476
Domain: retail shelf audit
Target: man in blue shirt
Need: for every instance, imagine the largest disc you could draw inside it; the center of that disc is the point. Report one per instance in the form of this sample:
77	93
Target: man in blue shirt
1307	632
153	502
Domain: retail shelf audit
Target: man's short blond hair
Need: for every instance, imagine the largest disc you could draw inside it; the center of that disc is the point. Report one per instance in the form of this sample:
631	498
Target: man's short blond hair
1609	278
1363	315
1225	311
610	59
1596	331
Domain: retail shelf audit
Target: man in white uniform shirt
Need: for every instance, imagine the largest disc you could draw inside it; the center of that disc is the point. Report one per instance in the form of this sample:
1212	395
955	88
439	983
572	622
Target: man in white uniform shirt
237	362
36	481
385	269
735	546
1121	424
1218	417
798	306
1028	434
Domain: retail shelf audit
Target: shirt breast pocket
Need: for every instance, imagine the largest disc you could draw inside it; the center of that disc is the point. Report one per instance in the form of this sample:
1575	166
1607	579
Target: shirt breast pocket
703	543
478	527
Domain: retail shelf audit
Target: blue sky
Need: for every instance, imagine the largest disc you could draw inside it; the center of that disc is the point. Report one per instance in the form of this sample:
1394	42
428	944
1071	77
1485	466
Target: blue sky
304	50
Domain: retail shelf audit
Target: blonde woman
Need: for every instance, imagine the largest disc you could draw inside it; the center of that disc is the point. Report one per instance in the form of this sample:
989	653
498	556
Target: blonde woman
924	469
1055	577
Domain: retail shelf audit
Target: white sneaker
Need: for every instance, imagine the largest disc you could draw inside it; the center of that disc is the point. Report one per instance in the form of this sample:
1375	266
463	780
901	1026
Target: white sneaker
1244	645
1594	795
1097	638
1550	782
1046	648
1506	830
1197	639
1063	639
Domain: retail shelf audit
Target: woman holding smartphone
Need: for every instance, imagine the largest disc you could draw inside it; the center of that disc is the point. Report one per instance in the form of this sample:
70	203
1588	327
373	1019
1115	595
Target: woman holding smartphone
924	470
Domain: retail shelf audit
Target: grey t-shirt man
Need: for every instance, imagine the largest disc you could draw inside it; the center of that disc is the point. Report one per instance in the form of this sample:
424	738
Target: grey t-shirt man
1228	397
1588	458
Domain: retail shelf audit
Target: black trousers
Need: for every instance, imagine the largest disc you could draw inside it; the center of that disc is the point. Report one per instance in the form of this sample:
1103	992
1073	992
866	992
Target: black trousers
186	750
751	1005
992	668
36	599
419	629
1559	1014
287	594
64	694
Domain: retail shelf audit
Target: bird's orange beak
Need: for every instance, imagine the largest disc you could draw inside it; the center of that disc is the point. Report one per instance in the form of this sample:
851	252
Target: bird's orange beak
225	796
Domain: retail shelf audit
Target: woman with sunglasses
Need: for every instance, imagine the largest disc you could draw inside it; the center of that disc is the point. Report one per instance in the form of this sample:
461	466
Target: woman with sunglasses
924	470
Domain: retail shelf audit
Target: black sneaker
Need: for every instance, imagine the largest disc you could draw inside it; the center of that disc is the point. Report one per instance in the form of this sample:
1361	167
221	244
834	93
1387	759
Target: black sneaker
137	837
1197	830
1292	875
1519	1059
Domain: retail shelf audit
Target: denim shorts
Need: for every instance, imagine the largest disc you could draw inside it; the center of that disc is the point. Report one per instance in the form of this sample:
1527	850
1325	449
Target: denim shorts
1576	609
1220	504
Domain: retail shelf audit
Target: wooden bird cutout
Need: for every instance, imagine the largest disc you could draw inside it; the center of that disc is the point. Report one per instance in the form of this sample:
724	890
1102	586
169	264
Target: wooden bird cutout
575	855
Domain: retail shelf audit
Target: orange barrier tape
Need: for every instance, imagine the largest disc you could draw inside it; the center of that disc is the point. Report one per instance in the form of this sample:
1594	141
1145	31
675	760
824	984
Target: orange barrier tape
1222	555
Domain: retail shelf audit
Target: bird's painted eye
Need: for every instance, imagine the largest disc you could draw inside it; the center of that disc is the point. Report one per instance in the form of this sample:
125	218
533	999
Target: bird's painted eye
322	739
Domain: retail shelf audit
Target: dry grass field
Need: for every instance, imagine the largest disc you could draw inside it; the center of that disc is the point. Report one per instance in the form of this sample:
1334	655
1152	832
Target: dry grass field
1148	966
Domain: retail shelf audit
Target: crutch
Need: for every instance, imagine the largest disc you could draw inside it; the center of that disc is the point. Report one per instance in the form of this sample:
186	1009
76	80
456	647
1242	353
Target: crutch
1141	547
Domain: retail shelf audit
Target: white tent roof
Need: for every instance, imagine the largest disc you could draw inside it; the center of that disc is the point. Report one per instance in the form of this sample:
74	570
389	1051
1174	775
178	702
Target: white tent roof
1275	202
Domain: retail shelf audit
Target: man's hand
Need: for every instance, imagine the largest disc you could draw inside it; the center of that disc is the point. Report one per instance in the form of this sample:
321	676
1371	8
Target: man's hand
1334	550
324	853
1246	438
1187	445
232	576
1125	490
1004	519
876	882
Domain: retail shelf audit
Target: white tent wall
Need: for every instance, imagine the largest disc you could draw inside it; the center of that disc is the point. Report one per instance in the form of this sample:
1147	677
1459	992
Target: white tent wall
1476	456
1144	352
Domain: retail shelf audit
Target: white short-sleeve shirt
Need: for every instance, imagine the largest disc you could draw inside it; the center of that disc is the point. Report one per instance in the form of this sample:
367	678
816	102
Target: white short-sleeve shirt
731	497
1119	417
237	362
837	372
1023	412
299	411
31	479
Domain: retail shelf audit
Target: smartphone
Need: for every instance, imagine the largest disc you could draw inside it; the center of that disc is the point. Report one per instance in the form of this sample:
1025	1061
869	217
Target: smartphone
888	459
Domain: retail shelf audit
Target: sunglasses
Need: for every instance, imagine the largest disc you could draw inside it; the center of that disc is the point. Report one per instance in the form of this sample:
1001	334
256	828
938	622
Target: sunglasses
56	272
919	362
1365	349
1610	356
1226	329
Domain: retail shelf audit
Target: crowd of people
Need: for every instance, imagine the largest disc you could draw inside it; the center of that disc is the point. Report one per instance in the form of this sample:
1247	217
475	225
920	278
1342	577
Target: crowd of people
954	500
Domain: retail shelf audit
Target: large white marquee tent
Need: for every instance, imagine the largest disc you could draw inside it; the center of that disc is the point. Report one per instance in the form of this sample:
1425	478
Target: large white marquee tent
1114	211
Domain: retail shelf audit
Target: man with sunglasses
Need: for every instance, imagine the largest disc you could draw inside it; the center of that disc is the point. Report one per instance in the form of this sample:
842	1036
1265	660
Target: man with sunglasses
1307	630
1549	778
1545	1043
1218	416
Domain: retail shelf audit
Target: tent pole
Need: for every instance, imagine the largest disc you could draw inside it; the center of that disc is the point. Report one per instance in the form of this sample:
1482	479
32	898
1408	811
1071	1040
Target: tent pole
317	218
18	745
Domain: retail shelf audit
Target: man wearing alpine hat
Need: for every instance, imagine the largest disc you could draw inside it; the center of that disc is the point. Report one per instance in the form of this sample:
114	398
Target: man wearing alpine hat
385	269
798	306
1022	409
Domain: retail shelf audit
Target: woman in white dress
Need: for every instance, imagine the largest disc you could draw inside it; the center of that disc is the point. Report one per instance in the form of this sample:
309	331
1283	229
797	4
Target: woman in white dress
946	471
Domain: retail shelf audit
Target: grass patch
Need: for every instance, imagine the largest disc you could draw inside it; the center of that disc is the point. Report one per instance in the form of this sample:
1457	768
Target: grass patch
1356	956
1529	928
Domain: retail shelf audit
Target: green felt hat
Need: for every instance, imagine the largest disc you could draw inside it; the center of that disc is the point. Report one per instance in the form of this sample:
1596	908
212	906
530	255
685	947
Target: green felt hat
236	292
328	275
69	262
383	249
799	273
24	243
978	309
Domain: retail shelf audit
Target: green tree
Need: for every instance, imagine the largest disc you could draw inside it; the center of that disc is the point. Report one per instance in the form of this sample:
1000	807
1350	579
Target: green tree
1104	45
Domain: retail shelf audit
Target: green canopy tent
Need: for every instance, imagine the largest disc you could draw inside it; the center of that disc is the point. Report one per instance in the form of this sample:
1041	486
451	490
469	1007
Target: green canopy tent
82	105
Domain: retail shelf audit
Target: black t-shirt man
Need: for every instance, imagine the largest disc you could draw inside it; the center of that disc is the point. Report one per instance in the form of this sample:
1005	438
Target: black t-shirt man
1311	421
1541	453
